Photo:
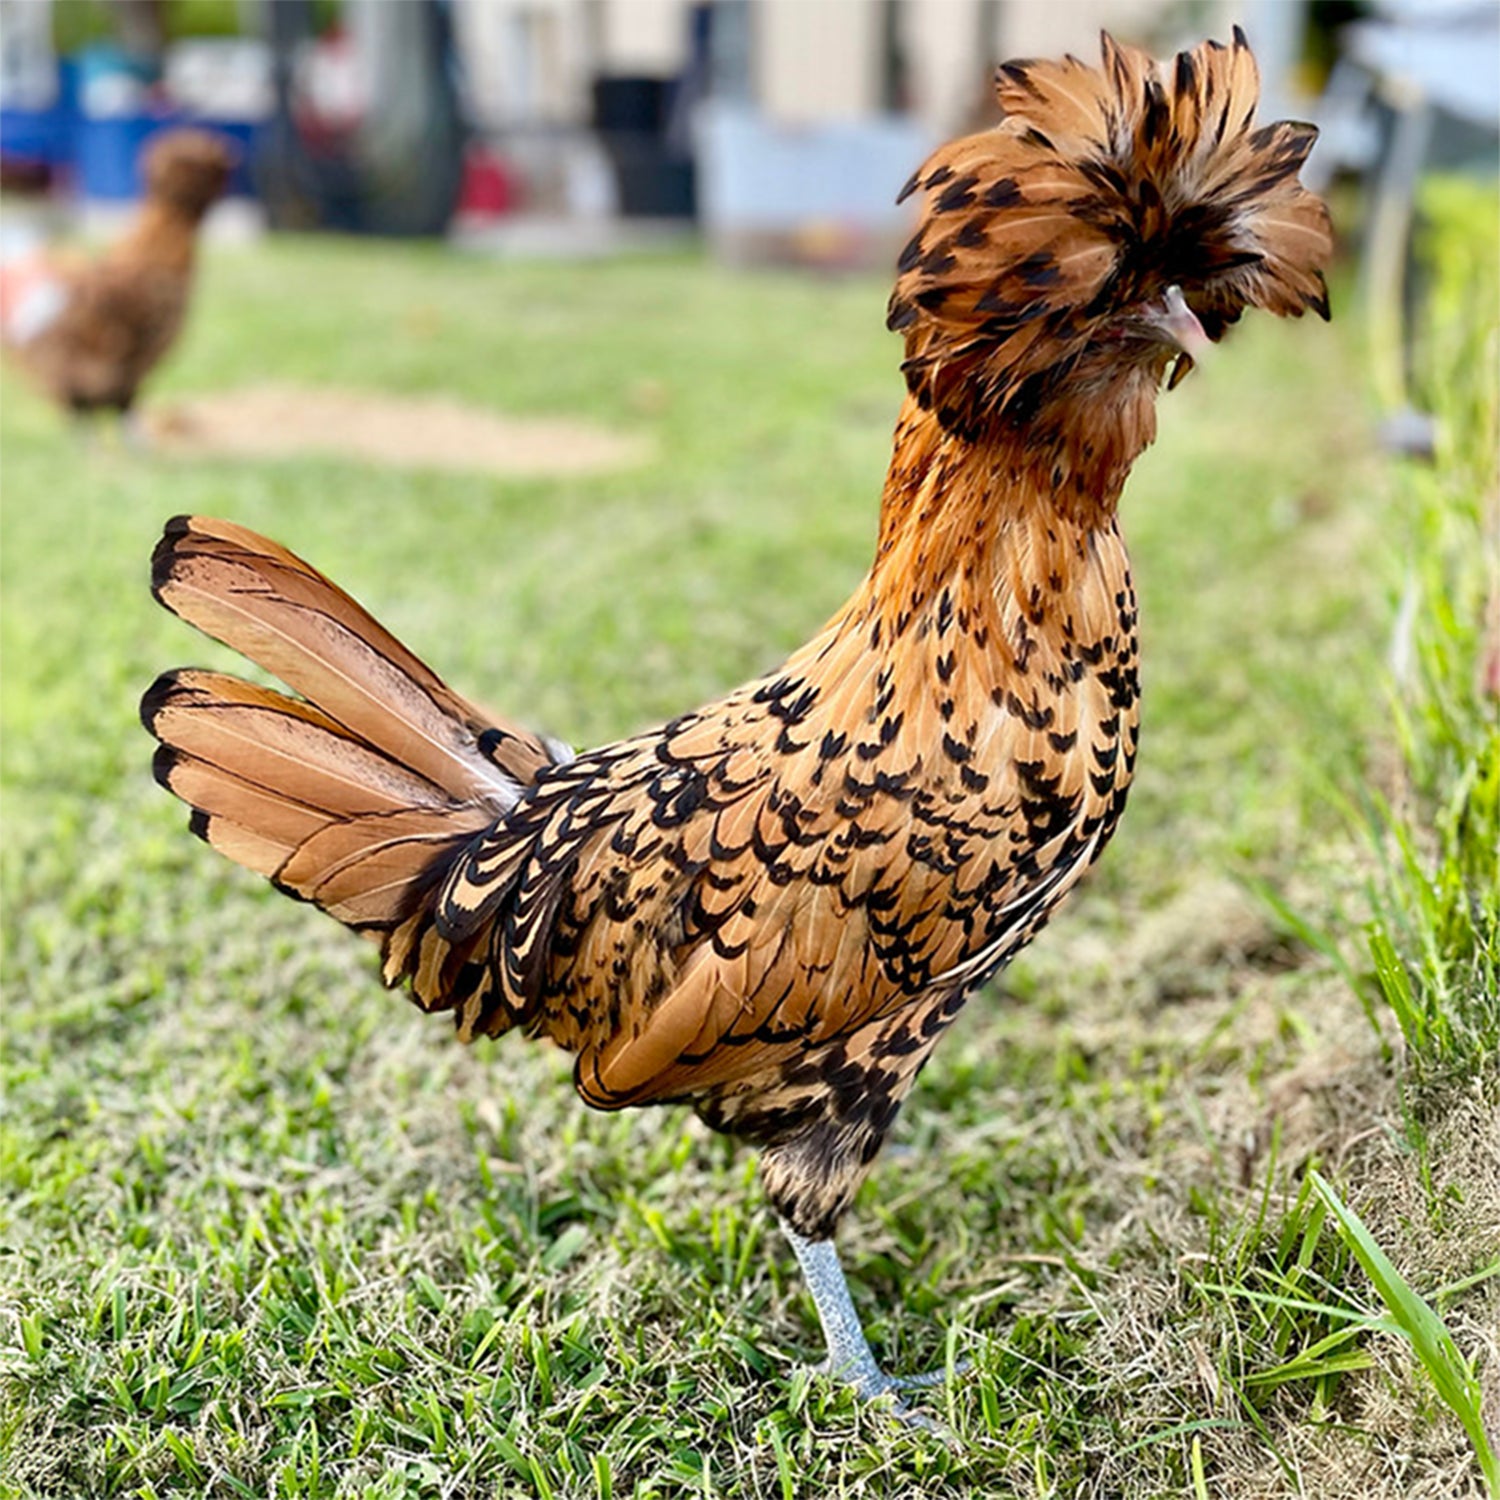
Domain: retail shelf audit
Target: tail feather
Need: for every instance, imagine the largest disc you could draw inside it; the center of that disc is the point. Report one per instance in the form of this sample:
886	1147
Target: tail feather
357	796
219	796
268	737
270	606
369	871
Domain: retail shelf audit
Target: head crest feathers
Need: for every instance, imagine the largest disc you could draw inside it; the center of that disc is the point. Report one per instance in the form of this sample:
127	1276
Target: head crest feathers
187	167
1100	188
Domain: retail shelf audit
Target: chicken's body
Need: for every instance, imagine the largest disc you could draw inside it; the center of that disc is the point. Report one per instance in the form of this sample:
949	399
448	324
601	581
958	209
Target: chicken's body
89	332
772	908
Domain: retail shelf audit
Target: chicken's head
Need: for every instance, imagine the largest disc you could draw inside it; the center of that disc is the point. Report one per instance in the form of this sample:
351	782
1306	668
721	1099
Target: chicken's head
1112	225
187	168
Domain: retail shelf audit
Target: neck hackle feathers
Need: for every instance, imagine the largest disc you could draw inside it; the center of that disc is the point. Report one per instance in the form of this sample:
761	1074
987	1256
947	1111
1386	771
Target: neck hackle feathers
1045	243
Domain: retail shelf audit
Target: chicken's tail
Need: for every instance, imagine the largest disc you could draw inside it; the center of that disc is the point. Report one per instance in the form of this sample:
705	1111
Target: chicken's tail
358	795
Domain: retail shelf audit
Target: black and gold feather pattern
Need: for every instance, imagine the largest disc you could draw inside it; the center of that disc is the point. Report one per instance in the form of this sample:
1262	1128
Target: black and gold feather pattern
772	907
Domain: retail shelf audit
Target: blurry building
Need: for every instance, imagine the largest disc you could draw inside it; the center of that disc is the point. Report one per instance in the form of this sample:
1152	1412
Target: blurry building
808	61
784	126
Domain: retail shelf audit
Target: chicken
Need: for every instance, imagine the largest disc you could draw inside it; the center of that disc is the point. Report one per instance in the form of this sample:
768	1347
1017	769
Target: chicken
90	332
771	908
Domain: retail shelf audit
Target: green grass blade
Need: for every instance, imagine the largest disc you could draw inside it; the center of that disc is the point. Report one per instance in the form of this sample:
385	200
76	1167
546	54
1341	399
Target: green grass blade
1427	1333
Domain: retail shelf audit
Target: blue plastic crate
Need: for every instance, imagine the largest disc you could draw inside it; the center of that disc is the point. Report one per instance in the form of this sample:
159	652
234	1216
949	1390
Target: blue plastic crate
43	135
108	151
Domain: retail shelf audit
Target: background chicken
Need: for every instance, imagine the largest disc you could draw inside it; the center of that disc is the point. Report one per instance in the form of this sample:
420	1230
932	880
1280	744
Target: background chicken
772	907
90	332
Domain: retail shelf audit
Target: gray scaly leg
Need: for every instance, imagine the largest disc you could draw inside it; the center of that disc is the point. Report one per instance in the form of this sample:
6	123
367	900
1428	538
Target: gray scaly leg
849	1356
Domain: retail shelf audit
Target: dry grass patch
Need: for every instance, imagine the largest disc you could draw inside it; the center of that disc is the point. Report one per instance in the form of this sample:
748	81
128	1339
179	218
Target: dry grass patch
403	432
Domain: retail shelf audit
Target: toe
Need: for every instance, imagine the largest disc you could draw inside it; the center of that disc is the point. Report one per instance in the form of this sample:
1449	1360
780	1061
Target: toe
931	1378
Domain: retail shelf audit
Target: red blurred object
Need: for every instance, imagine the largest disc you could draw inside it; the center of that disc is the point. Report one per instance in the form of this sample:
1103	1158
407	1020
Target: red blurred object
490	189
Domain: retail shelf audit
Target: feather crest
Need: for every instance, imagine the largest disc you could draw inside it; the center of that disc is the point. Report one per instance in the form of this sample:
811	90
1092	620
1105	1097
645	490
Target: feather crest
1100	188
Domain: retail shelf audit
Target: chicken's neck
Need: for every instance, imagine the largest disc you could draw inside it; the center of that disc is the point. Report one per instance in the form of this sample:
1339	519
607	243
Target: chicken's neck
1009	519
163	234
998	611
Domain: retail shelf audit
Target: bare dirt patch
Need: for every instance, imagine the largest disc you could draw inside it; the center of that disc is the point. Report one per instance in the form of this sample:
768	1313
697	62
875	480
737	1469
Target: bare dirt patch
411	432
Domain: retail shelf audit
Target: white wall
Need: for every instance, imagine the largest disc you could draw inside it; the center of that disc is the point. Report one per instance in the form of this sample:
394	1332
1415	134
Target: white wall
525	61
644	36
948	62
816	59
1048	28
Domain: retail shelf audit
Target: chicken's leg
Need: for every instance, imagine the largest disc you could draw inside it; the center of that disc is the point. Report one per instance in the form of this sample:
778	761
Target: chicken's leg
133	430
850	1358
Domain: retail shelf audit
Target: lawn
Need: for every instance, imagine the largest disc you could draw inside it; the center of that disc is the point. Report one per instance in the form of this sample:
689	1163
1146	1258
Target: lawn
269	1232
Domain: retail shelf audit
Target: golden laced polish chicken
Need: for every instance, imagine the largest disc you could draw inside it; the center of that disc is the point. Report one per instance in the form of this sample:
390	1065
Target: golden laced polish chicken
89	333
772	907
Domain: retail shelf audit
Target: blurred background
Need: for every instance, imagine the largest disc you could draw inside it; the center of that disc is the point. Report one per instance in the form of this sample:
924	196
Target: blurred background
779	128
555	331
769	131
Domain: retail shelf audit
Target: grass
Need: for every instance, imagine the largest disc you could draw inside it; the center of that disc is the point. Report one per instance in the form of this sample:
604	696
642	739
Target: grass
268	1232
1414	1320
1435	935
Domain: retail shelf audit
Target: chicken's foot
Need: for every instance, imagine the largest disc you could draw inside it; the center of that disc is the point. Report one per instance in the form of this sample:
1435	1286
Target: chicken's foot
850	1358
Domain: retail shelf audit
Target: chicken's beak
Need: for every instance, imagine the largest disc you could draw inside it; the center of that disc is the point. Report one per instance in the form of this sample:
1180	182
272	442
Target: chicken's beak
1179	325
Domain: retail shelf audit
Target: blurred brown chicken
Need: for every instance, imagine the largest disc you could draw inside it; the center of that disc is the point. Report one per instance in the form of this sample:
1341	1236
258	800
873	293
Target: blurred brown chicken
90	332
771	908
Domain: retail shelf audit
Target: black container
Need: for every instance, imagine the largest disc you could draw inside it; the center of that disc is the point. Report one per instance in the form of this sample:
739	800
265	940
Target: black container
634	117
